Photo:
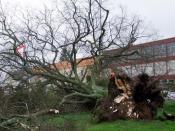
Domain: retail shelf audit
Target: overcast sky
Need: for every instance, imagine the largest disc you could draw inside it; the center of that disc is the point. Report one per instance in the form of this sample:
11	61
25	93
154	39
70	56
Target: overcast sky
159	13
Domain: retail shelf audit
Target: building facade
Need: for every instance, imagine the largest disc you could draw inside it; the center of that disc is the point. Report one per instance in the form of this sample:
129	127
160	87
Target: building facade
155	58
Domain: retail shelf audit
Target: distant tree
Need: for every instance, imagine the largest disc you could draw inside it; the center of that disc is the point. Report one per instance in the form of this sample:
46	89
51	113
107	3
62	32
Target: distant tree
65	54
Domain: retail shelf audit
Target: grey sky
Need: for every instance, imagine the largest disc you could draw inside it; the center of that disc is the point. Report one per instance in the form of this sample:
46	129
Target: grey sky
159	13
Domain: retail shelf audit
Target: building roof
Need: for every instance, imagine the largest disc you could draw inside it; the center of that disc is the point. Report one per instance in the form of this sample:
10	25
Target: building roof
83	62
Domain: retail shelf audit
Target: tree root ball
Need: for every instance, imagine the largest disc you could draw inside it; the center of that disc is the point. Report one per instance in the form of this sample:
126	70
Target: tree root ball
139	100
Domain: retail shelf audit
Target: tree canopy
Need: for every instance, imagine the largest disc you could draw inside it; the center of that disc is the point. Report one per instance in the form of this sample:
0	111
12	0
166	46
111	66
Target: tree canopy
82	28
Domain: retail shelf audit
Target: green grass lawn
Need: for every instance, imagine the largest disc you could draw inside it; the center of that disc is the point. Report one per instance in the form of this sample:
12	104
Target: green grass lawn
84	122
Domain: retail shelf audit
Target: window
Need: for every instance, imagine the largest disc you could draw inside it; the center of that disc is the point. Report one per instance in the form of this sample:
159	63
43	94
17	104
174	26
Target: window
149	69
171	67
137	69
127	70
136	54
160	50
171	49
147	52
171	81
160	68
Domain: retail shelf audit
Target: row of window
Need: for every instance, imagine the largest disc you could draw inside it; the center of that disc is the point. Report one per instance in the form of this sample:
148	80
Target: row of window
159	68
156	51
167	82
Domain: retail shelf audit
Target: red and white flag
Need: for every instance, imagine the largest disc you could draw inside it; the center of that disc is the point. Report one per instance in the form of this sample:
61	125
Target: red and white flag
21	50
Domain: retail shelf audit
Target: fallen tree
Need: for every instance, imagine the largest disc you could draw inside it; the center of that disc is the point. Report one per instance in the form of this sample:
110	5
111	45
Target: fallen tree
18	120
130	99
82	28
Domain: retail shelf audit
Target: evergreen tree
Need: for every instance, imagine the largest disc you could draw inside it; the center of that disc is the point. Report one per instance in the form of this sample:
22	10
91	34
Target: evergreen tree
64	54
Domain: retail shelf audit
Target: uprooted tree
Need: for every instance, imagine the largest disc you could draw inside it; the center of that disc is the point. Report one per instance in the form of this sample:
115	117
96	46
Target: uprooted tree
83	28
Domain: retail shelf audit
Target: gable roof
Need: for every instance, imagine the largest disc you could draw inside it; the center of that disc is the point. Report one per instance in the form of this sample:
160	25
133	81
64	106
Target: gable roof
83	62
